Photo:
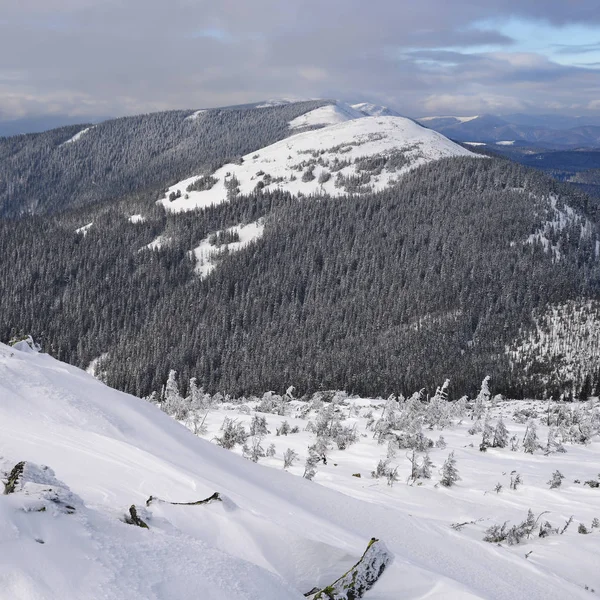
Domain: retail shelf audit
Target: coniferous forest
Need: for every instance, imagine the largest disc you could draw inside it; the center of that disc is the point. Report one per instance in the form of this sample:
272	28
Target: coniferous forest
374	294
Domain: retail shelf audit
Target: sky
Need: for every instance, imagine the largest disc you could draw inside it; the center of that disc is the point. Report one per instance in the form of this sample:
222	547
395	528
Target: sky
82	59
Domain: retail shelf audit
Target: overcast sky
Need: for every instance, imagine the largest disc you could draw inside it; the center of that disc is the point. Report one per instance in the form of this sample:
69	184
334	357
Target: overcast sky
100	57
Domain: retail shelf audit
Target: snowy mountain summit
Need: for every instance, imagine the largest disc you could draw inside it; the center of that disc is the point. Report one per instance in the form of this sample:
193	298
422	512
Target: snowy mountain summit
340	149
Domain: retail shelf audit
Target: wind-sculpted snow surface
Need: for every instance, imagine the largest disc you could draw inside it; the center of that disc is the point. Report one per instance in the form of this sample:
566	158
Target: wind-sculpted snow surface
361	154
274	536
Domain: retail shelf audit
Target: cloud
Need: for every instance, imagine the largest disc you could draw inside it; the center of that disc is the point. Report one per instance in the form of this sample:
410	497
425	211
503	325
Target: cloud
117	57
576	48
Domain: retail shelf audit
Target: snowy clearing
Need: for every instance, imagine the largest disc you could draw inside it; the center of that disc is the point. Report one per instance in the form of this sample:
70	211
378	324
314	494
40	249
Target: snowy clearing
195	115
77	136
213	248
136	219
84	229
357	156
157	243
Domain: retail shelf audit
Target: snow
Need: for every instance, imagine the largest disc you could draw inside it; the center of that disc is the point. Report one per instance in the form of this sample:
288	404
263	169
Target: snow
194	116
157	243
561	216
84	229
77	136
281	165
207	255
340	112
92	368
424	512
475	143
275	535
136	219
375	110
506	143
272	103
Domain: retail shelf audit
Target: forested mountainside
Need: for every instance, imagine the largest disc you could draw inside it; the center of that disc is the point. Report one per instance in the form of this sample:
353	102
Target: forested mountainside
441	275
78	165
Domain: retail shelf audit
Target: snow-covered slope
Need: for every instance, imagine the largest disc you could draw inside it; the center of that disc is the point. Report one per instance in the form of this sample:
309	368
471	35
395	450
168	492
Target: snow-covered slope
209	251
375	110
272	536
331	114
357	155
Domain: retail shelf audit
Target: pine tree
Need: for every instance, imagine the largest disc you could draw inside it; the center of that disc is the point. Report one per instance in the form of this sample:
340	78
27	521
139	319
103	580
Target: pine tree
530	440
449	471
425	468
500	438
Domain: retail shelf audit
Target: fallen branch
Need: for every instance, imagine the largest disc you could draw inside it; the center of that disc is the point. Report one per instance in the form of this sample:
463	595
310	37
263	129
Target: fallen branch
214	498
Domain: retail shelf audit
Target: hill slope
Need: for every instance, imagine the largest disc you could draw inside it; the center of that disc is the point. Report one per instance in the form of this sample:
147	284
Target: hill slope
42	173
360	155
271	537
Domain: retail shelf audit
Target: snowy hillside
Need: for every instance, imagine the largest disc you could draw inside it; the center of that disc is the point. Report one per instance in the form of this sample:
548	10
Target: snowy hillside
100	464
374	110
355	154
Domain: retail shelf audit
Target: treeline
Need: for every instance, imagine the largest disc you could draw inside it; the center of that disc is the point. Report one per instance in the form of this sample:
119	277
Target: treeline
376	294
41	174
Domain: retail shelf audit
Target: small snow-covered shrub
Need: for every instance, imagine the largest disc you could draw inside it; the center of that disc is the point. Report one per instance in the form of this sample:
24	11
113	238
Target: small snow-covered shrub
233	434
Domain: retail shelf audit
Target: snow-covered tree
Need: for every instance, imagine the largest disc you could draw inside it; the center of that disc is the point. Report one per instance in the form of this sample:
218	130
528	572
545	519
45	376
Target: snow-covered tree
289	458
449	471
482	400
425	468
173	404
556	480
530	440
500	436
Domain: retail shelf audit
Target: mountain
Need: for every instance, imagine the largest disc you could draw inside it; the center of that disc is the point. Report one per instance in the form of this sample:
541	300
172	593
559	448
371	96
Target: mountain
107	496
493	129
43	174
374	110
338	250
348	154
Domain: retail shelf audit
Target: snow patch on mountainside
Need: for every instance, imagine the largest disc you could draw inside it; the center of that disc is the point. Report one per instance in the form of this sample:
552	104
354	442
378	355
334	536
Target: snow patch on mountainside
77	136
84	229
360	155
157	243
194	116
211	249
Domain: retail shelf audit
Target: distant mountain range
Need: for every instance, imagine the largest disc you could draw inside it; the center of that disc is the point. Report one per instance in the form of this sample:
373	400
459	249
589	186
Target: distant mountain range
544	131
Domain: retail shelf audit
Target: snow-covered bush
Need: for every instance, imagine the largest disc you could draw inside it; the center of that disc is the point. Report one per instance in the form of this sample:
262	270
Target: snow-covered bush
233	434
